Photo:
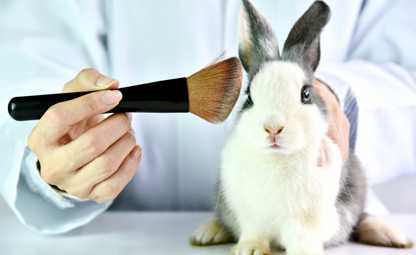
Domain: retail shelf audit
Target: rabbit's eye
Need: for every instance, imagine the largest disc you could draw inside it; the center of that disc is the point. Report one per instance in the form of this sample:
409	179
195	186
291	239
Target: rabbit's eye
306	94
248	103
249	99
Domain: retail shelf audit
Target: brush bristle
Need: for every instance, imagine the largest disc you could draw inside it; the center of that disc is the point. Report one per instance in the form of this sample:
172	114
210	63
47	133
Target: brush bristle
214	90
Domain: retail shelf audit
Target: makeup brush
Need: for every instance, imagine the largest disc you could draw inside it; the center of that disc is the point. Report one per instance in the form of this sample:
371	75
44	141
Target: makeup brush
210	93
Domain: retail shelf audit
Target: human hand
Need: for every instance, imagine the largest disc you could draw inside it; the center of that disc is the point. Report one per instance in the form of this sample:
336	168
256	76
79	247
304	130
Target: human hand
339	126
79	150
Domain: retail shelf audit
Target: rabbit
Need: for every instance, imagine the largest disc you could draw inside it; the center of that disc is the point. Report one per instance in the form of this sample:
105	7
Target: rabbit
271	191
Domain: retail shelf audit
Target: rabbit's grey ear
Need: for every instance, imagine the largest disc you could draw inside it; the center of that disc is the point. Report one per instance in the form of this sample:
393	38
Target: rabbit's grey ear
257	41
302	44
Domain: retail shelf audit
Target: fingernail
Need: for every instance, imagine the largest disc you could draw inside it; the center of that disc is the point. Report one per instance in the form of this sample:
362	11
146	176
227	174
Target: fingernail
131	131
111	97
136	152
103	81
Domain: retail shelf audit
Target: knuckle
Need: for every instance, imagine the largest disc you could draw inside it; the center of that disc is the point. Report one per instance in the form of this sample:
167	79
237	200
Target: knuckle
119	120
105	193
55	113
131	139
131	170
32	141
93	144
140	150
110	190
68	86
86	77
68	166
126	118
91	103
85	72
77	192
107	164
35	140
49	175
122	119
101	200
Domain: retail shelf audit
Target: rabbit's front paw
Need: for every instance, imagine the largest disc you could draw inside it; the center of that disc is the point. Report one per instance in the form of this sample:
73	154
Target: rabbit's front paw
211	233
251	248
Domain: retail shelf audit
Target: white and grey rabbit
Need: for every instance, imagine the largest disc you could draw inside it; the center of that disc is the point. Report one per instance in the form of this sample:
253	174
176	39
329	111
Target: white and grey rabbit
271	191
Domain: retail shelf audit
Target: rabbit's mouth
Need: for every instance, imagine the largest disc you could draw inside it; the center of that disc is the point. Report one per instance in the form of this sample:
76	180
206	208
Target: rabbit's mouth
275	146
274	142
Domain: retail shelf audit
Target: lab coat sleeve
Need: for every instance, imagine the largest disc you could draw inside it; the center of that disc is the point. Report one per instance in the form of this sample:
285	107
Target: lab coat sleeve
42	45
380	71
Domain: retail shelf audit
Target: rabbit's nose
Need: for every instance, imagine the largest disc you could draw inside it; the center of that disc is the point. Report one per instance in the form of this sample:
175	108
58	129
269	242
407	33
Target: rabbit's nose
273	130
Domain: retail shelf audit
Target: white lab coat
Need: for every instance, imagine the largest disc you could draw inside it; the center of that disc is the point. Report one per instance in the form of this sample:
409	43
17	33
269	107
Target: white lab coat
44	44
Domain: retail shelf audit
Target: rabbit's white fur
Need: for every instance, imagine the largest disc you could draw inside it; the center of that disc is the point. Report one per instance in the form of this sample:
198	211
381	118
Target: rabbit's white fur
293	198
271	188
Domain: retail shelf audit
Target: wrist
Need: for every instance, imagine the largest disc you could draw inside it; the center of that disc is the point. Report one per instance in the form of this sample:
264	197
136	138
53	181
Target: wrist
35	184
56	188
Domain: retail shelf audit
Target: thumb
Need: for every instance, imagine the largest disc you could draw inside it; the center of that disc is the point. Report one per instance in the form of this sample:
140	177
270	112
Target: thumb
90	79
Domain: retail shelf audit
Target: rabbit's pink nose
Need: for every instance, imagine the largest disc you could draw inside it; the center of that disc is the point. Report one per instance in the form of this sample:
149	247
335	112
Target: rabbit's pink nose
273	130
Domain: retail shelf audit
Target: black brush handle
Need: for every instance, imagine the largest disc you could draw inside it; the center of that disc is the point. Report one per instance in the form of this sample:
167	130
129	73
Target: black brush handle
160	96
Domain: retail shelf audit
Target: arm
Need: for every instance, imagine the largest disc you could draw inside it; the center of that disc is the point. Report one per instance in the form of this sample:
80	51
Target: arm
380	71
38	56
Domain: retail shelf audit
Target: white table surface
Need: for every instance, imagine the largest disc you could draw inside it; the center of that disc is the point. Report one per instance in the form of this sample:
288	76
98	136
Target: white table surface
146	233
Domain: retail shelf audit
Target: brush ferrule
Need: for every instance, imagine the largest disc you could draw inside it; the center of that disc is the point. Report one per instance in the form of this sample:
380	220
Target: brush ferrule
161	96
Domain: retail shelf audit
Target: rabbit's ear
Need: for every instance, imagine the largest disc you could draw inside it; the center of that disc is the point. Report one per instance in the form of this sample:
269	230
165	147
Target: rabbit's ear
257	42
302	44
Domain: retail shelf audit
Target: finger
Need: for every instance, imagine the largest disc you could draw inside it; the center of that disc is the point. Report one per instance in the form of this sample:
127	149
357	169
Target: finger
322	155
93	121
83	126
111	187
129	115
319	88
90	79
94	141
346	137
327	95
77	130
89	123
100	168
60	118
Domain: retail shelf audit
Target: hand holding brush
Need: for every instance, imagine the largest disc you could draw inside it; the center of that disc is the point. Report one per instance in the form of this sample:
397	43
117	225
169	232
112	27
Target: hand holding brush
79	150
94	158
